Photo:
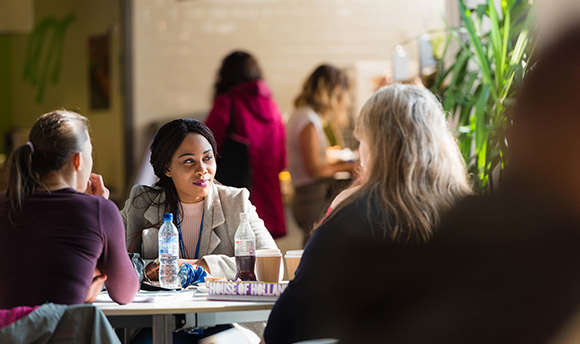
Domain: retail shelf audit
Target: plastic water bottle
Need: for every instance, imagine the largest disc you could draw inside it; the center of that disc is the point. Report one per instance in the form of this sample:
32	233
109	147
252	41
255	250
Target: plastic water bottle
245	250
168	253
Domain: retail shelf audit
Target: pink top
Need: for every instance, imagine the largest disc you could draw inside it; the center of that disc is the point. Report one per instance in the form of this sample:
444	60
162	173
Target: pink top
190	227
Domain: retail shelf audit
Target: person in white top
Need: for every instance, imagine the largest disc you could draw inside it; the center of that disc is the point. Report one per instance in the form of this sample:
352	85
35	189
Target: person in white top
324	92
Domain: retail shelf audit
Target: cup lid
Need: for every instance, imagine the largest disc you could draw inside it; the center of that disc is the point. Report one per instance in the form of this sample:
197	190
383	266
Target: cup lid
294	253
268	252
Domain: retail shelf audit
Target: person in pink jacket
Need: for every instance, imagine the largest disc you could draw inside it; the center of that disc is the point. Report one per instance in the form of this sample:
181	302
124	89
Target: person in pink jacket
240	92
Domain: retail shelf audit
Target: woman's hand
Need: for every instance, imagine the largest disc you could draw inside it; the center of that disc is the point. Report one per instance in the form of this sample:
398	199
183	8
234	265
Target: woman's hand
152	270
96	186
96	286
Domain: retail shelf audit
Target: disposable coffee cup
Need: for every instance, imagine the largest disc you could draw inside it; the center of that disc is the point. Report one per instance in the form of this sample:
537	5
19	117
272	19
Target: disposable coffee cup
269	265
292	261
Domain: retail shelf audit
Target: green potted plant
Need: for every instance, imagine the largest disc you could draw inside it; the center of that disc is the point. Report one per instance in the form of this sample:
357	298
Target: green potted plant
478	88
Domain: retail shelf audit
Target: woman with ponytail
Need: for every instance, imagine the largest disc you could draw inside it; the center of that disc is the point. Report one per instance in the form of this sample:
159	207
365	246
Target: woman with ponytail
57	224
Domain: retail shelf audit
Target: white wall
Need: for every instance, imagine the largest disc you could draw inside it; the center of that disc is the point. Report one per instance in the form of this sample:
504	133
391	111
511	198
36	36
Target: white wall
554	16
179	45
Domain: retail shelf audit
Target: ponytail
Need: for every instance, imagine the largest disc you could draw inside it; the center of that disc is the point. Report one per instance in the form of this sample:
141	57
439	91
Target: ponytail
51	141
22	180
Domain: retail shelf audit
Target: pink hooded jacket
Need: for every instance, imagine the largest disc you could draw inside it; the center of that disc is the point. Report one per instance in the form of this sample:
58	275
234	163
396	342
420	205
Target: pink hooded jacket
258	119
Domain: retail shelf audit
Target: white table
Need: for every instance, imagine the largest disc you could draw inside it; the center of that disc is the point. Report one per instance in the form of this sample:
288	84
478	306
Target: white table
166	312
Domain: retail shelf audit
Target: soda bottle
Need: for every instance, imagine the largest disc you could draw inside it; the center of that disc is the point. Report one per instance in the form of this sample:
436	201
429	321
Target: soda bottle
168	240
245	250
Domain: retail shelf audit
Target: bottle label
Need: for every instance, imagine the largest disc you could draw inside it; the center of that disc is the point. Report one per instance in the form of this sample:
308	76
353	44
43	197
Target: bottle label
245	248
168	241
169	246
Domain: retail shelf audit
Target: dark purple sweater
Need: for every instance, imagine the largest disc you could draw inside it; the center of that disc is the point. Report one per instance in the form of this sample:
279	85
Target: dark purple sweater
52	254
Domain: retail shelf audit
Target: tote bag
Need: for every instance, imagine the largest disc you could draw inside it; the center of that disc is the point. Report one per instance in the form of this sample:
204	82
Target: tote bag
233	166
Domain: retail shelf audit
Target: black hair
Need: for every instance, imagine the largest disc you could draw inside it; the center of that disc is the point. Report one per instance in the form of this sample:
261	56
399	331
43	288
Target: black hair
167	140
238	67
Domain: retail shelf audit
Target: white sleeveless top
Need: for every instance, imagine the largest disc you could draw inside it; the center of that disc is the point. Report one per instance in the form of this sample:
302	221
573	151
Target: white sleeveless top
298	121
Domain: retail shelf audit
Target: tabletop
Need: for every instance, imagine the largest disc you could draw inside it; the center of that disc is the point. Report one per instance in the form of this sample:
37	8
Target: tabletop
177	302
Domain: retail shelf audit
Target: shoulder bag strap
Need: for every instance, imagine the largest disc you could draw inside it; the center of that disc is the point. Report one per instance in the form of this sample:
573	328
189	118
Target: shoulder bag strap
232	126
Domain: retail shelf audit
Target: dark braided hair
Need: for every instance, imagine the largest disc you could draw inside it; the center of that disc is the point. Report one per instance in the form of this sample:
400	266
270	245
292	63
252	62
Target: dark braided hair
167	140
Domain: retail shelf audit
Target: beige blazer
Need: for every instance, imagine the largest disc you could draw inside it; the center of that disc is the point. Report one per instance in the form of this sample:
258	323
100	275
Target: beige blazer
142	216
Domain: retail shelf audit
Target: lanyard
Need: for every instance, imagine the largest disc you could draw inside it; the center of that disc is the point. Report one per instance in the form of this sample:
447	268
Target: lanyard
181	245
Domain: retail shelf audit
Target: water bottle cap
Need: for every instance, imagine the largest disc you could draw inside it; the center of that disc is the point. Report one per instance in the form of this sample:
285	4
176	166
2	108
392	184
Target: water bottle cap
168	217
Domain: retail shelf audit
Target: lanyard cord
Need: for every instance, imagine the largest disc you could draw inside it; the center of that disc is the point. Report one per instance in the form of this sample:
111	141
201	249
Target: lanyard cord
181	245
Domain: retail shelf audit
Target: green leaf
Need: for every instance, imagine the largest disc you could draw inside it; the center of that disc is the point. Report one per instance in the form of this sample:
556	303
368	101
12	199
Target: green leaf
441	72
459	67
476	44
481	131
515	61
480	112
506	36
496	43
